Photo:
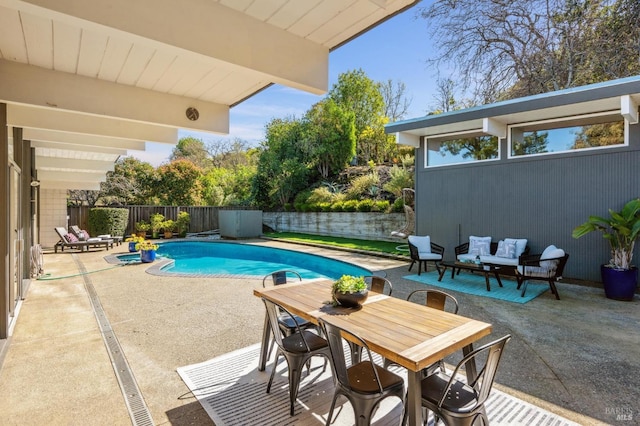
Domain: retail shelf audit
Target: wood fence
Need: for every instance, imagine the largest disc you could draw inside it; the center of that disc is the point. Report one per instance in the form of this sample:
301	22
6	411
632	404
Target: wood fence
203	218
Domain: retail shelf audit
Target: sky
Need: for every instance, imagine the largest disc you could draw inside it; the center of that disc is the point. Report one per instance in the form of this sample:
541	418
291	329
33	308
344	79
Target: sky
395	50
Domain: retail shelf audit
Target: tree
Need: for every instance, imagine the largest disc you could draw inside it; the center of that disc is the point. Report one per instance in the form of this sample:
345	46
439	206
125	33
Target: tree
282	168
507	49
179	184
357	93
131	182
82	197
396	103
330	137
192	149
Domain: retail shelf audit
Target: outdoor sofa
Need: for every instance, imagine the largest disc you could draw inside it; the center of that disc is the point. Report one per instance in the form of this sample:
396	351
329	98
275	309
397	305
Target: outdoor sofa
504	253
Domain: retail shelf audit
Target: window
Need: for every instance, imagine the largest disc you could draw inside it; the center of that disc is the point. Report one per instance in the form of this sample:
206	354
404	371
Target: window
583	132
447	150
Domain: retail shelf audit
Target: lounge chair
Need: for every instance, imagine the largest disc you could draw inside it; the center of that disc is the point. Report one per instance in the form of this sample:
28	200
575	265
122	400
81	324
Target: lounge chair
84	235
69	240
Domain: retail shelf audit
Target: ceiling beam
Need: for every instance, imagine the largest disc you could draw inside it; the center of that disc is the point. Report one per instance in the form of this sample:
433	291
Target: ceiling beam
53	119
82	139
82	148
48	175
240	39
27	84
43	162
89	186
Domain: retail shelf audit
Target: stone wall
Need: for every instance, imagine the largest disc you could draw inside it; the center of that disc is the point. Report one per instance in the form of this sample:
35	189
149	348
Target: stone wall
364	226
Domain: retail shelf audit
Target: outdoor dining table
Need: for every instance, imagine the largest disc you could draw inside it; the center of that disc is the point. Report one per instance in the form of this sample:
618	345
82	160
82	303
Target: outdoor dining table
408	334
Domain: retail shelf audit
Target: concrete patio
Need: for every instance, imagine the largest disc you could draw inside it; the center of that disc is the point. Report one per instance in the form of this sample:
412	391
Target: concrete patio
577	357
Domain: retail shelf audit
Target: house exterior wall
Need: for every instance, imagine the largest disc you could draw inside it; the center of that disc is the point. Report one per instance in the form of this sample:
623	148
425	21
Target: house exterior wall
53	213
539	198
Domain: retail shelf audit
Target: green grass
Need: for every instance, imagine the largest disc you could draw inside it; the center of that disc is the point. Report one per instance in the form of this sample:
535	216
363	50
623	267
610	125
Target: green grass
351	243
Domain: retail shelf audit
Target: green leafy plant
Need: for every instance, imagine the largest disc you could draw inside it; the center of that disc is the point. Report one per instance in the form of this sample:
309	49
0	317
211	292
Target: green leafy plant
142	226
349	284
156	220
168	225
621	229
182	223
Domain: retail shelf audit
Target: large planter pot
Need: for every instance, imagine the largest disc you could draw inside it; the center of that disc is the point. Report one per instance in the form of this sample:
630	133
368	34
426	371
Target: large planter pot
147	256
351	300
132	246
619	284
168	235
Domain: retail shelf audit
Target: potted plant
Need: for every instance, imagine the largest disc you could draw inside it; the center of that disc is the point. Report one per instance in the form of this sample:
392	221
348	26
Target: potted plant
621	229
349	291
147	251
156	220
168	226
142	227
133	240
182	223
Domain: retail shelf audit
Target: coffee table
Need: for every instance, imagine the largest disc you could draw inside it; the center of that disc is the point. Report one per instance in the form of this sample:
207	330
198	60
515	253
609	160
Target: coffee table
484	269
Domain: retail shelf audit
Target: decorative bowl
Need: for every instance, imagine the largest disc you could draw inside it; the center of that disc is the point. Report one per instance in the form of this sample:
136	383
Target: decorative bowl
351	300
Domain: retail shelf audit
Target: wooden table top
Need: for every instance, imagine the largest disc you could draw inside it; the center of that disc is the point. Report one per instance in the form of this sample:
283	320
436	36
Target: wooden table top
407	333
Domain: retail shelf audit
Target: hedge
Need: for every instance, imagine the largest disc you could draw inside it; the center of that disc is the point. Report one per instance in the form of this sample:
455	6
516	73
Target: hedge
107	220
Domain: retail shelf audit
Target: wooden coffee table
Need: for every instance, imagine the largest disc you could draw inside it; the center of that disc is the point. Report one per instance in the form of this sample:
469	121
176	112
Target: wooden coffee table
484	269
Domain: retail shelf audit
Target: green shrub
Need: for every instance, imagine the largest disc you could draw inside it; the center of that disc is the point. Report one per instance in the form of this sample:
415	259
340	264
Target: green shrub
365	205
365	185
400	178
321	195
398	205
380	206
108	220
288	207
350	206
183	221
337	206
324	207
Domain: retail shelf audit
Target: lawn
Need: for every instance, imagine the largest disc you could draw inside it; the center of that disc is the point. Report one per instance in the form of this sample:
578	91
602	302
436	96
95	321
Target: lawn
350	243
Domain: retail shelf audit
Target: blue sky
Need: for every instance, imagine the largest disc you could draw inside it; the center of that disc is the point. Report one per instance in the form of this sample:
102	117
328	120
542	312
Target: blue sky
396	50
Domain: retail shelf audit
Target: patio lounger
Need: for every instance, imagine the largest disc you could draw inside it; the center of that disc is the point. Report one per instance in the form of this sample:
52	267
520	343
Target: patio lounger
83	235
69	240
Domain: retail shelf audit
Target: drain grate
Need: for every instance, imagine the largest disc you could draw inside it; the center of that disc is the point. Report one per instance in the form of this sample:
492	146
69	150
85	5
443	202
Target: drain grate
138	410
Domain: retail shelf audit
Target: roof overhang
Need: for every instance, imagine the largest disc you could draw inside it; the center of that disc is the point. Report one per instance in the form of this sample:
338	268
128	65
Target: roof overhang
116	74
617	96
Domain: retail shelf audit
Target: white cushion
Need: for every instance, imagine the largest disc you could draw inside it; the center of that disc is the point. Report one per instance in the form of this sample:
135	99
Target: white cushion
544	271
479	245
551	252
430	256
496	260
521	244
423	244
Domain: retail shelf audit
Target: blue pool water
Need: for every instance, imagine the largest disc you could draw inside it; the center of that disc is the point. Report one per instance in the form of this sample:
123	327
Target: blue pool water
207	258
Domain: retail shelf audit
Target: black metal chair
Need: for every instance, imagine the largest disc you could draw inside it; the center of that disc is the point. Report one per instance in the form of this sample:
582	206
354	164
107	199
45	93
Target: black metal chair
422	250
379	284
288	323
541	267
297	348
460	403
365	383
438	300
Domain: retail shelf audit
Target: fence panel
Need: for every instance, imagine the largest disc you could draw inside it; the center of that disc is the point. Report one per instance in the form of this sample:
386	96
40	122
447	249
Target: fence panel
203	218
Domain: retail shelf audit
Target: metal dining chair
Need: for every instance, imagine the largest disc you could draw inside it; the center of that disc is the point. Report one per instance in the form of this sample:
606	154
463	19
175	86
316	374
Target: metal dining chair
365	383
435	299
460	403
379	284
288	323
297	349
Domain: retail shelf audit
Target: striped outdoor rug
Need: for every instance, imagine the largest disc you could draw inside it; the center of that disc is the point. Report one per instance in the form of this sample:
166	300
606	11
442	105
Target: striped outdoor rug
233	392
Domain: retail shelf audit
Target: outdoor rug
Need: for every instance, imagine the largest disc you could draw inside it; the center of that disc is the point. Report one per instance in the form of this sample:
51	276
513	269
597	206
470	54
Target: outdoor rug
233	392
469	283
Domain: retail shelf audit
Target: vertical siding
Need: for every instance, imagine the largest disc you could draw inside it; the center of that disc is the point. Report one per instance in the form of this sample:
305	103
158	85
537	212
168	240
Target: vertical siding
541	199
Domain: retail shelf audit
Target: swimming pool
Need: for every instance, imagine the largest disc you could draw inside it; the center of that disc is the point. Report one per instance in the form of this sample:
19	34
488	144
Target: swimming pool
220	258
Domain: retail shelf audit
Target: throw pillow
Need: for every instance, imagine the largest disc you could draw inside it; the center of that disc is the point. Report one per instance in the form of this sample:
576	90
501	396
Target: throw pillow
521	244
479	246
71	238
506	250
